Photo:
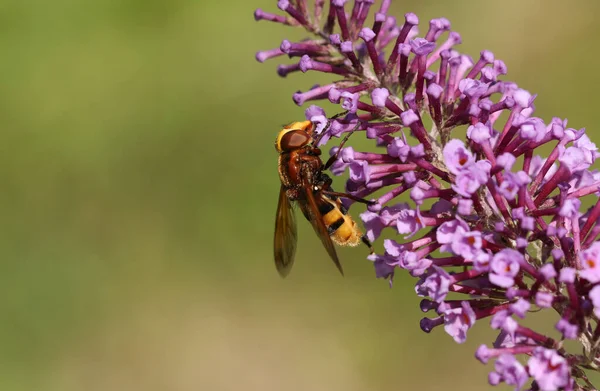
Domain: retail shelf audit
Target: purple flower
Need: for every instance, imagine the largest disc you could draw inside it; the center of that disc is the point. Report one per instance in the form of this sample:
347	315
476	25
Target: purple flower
466	244
447	231
458	320
512	183
349	101
567	329
416	266
498	221
549	369
590	262
544	299
382	268
595	298
471	178
509	371
479	133
504	266
374	224
520	307
457	157
408	221
434	285
379	96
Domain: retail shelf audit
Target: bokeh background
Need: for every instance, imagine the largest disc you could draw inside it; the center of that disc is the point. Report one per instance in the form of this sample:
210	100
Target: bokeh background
138	188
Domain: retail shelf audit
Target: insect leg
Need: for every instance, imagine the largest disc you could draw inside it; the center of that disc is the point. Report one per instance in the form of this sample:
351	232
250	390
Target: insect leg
367	243
326	128
349	196
335	156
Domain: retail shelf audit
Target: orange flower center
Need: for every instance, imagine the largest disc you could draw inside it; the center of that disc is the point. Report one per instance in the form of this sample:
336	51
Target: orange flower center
591	263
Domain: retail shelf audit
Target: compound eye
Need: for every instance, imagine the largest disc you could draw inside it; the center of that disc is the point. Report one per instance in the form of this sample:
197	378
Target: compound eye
294	139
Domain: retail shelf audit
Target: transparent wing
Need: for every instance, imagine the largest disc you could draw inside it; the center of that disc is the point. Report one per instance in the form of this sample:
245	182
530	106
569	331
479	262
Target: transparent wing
311	209
286	235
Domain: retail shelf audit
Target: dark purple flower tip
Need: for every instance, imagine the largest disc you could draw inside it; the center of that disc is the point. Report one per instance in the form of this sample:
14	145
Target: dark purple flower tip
409	117
487	56
379	96
305	63
411	19
483	354
258	14
335	39
428	305
421	46
428	324
283	5
366	34
284	69
347	47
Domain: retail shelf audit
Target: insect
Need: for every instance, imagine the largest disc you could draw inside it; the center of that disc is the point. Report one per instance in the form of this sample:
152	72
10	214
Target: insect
304	183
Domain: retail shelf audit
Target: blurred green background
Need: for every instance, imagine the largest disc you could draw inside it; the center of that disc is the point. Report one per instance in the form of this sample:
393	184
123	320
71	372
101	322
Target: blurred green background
139	186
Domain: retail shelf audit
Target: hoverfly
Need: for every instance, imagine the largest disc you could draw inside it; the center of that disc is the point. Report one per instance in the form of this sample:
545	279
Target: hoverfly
304	183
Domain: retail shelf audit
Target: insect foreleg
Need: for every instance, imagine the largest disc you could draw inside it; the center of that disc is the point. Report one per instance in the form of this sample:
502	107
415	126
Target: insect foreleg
349	196
336	155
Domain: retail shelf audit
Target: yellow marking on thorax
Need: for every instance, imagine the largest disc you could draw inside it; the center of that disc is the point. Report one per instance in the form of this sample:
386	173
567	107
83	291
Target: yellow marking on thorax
306	126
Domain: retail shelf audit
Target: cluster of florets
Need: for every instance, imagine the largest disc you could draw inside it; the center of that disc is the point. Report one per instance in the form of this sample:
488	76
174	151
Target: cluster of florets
491	224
